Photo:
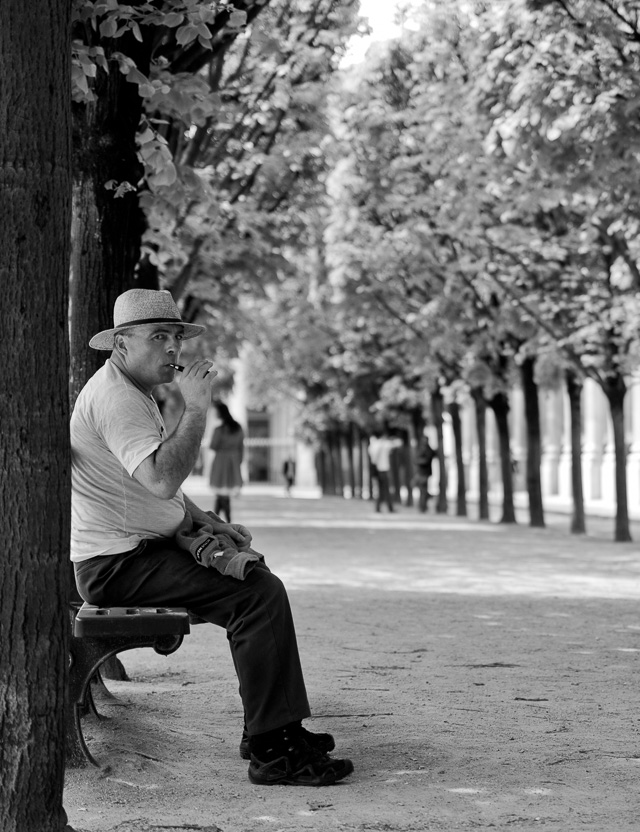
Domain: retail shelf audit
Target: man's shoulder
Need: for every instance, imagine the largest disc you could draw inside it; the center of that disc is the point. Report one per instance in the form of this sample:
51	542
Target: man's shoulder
105	395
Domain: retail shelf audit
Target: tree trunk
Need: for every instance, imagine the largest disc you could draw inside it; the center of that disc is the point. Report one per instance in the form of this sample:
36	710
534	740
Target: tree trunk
359	467
107	230
337	462
407	467
615	390
437	407
321	468
500	406
483	473
461	497
330	465
574	390
35	212
350	460
534	443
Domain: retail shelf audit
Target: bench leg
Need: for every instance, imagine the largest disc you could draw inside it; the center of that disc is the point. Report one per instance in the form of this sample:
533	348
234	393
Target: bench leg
86	656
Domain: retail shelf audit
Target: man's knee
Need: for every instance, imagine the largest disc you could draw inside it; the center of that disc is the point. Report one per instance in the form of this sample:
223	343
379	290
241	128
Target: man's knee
267	583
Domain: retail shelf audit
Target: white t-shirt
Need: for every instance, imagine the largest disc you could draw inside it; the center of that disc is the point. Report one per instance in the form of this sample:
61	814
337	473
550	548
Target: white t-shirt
380	451
114	427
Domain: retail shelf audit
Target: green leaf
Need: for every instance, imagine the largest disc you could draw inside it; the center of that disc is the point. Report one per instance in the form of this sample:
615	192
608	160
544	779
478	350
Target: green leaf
109	27
173	19
237	19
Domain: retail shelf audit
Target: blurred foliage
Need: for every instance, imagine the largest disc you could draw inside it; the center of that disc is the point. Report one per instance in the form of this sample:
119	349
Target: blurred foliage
464	198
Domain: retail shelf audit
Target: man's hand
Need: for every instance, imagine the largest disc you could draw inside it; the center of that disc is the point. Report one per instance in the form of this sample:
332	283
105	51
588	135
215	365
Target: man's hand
240	535
196	383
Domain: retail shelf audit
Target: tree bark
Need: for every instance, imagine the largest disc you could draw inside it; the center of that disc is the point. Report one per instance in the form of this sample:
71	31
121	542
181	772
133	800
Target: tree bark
534	443
483	473
437	408
461	496
615	390
107	230
35	212
574	390
499	403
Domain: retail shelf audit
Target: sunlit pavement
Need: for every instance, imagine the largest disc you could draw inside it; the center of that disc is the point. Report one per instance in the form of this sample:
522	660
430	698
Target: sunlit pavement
332	541
481	674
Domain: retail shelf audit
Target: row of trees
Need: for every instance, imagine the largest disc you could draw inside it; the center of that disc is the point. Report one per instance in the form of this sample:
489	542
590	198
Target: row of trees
479	229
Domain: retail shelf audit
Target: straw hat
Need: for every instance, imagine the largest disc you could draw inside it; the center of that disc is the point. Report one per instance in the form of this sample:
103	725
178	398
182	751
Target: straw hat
143	306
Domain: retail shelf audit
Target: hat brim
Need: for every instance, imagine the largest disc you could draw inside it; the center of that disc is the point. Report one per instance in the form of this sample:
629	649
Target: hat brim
104	340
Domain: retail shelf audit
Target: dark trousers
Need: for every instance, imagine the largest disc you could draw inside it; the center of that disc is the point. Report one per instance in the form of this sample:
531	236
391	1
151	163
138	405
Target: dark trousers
383	491
255	614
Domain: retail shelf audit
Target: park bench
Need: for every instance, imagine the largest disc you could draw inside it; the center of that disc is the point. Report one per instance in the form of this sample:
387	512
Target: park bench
99	633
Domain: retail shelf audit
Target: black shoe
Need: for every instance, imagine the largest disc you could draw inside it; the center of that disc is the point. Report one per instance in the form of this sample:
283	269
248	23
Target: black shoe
298	765
324	743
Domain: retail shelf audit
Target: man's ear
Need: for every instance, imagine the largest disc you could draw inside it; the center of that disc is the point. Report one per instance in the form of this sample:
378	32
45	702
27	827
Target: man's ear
120	343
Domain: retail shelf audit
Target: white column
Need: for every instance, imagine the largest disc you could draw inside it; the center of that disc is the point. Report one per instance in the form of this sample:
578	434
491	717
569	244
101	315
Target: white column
470	445
594	407
237	401
565	485
551	428
306	476
633	459
518	437
608	465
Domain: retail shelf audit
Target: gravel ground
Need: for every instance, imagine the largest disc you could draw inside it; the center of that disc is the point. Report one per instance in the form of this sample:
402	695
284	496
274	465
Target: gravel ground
478	675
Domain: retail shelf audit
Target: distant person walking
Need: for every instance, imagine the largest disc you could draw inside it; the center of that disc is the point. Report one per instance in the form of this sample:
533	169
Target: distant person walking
380	449
424	469
228	443
289	473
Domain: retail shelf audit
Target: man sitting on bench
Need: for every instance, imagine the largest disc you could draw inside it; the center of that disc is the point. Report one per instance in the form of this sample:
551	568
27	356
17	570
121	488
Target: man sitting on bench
137	540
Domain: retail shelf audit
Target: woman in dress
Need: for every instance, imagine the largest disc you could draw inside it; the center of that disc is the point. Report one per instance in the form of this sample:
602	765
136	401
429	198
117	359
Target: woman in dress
225	477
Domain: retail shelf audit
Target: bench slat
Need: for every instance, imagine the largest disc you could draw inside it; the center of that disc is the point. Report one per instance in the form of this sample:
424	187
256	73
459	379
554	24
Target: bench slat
94	622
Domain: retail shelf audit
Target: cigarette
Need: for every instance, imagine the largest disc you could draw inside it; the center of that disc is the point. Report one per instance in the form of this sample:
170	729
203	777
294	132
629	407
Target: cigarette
180	368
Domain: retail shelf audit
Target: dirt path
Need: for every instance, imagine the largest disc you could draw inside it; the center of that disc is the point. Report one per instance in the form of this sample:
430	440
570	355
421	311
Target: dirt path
479	676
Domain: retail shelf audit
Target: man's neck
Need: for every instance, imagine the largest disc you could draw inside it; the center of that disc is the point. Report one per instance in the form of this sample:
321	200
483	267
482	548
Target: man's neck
116	359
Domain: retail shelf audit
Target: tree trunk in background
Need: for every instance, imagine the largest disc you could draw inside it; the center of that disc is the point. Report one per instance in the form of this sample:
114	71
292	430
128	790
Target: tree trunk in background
335	484
437	408
35	214
350	460
615	390
321	468
330	465
500	406
359	467
574	390
106	230
534	443
338	463
461	497
481	431
407	467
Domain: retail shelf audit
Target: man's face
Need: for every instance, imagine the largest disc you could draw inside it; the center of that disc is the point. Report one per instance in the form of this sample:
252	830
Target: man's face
148	352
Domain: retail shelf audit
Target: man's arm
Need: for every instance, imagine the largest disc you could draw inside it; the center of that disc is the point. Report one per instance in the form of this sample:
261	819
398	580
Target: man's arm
163	472
198	514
